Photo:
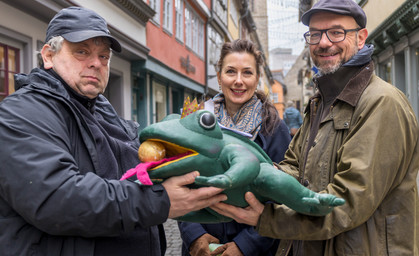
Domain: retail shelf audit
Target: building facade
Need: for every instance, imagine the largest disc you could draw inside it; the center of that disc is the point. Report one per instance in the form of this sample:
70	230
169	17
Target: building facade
22	34
176	65
394	31
218	33
170	48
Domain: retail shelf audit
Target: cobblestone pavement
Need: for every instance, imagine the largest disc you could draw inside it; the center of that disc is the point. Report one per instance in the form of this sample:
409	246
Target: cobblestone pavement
174	242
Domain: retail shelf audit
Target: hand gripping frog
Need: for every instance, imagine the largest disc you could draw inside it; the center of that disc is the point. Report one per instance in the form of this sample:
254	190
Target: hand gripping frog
226	160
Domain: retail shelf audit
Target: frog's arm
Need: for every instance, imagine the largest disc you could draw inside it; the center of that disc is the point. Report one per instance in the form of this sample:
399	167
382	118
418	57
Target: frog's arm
241	165
275	185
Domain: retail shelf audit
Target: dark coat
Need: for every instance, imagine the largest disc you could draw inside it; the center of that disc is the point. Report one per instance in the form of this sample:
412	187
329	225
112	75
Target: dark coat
52	201
246	238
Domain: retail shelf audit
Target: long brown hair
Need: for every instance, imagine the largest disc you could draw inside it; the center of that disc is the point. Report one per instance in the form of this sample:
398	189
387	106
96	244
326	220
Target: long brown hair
270	116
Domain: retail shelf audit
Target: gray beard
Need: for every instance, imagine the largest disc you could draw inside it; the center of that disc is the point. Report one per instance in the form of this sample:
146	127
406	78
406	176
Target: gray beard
331	70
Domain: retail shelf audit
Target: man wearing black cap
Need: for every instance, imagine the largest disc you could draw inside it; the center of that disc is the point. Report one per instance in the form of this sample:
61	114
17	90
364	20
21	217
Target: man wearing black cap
63	149
358	141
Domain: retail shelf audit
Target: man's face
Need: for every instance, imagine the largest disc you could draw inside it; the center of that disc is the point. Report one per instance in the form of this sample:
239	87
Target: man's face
327	56
83	66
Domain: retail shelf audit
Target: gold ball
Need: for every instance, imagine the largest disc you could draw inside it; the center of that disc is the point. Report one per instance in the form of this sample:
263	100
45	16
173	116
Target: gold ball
151	151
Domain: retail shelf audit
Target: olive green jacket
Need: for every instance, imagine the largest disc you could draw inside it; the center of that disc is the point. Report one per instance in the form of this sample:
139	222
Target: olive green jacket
367	152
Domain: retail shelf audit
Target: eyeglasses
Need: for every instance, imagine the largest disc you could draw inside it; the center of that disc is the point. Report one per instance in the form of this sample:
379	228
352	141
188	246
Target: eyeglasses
335	35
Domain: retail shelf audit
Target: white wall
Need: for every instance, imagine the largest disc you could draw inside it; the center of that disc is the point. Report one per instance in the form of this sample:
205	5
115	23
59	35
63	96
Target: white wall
124	67
379	10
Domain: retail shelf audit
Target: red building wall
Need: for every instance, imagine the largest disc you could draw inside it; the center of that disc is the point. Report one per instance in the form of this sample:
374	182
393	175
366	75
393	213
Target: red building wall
165	48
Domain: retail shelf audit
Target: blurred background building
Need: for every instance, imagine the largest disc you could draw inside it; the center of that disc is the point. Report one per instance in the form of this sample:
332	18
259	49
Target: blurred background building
170	47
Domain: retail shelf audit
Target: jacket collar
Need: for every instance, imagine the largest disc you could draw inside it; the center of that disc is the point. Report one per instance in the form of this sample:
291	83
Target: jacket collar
49	81
353	88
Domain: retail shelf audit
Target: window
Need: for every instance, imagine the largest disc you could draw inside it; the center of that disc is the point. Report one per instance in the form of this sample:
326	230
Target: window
9	66
221	10
275	98
201	37
386	72
155	5
194	32
160	101
188	28
233	13
168	15
179	19
215	44
195	24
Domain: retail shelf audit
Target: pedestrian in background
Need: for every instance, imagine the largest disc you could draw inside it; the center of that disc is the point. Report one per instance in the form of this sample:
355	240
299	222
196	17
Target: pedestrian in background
241	108
292	118
358	141
63	149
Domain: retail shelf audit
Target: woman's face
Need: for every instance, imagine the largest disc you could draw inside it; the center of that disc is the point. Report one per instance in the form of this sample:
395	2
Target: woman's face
238	78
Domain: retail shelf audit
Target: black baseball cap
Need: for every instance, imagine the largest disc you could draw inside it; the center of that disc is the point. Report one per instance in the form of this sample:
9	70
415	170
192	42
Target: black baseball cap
342	7
76	24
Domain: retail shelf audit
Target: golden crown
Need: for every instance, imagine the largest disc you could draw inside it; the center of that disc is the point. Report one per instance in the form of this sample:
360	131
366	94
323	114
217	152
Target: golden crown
190	107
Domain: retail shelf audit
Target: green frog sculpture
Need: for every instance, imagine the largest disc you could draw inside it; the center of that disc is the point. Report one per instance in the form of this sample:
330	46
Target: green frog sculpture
226	160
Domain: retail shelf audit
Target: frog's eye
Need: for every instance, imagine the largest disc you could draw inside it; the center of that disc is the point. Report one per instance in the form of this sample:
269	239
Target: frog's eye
207	120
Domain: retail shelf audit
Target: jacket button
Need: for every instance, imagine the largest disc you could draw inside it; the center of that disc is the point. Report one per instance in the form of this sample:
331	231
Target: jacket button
306	183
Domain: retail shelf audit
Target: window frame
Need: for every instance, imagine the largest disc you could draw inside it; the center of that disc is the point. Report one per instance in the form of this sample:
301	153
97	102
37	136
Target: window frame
155	5
188	27
194	32
9	88
168	15
179	20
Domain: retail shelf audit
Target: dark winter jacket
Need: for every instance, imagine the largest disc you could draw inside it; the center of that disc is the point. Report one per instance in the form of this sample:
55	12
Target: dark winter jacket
246	238
52	199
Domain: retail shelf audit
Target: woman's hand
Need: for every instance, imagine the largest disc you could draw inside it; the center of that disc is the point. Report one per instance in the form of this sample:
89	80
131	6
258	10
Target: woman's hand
249	215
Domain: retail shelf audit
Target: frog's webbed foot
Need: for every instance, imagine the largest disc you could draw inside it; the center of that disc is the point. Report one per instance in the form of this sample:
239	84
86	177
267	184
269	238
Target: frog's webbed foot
219	181
322	204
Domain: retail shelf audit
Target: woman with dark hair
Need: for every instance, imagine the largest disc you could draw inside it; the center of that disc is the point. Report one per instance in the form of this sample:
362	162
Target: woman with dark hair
242	108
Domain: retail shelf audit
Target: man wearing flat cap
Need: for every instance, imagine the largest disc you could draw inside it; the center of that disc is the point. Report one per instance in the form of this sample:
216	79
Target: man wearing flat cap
63	150
358	141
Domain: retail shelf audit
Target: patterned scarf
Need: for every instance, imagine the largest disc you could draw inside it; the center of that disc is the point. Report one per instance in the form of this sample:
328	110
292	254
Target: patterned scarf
247	119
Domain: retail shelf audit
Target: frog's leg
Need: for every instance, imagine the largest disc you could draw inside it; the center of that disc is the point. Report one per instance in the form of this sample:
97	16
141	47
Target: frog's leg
242	167
205	215
280	187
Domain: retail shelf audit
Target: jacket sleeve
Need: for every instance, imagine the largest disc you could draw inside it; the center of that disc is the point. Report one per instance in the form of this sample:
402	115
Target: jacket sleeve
41	182
189	232
247	239
251	243
371	161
